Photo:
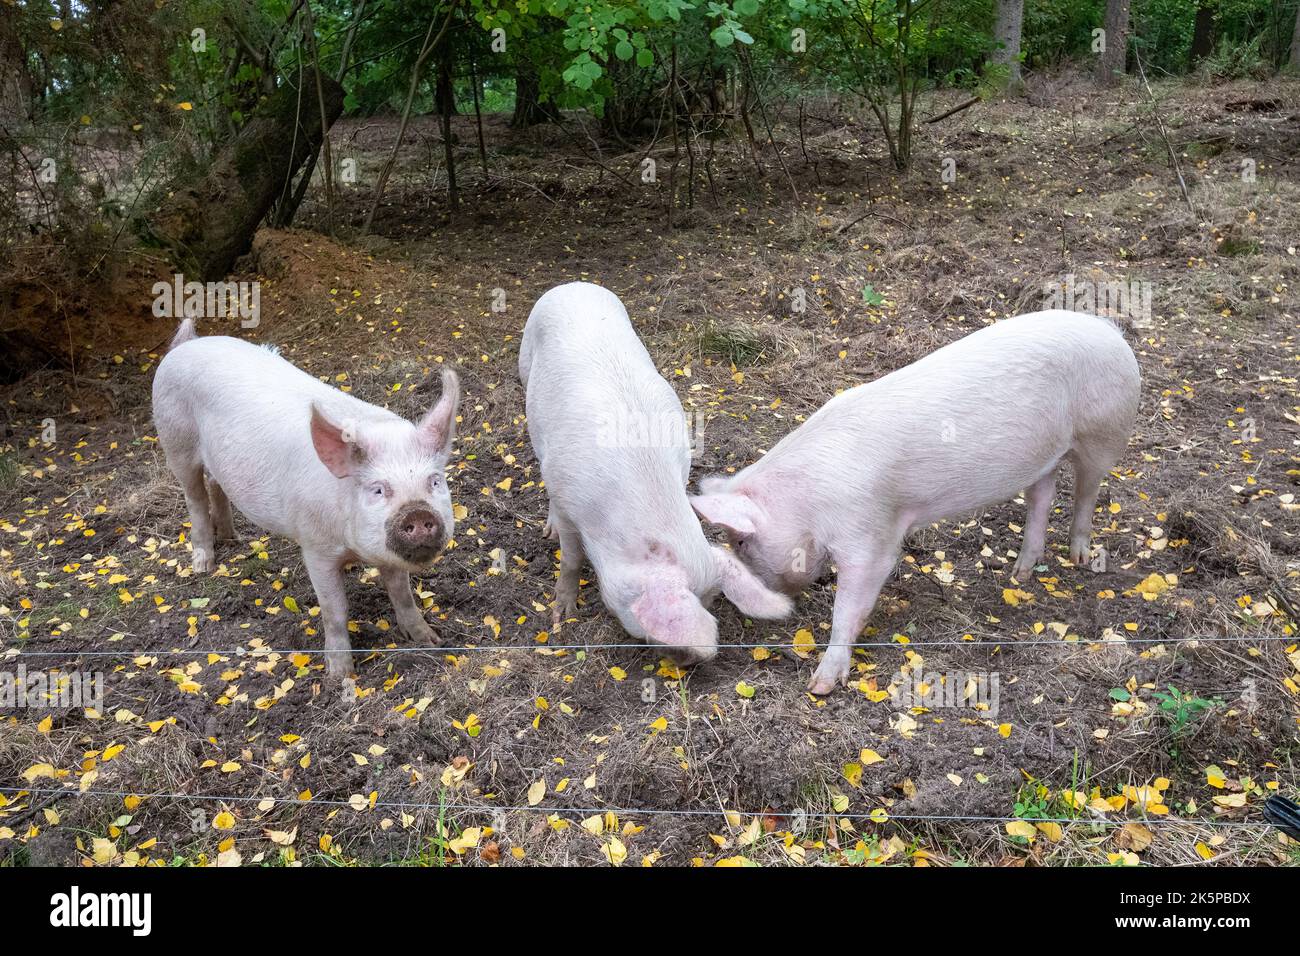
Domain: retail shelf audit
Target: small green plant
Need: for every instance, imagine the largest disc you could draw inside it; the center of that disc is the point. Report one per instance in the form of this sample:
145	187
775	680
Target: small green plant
1180	708
1237	59
1033	802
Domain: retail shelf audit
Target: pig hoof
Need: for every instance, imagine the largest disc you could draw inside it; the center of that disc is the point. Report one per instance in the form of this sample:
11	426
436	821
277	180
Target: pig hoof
423	634
339	667
824	679
201	561
550	531
1023	573
821	686
1080	552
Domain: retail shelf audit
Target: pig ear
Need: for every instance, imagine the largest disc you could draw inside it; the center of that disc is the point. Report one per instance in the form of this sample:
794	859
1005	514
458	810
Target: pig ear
337	448
746	591
438	426
737	513
673	617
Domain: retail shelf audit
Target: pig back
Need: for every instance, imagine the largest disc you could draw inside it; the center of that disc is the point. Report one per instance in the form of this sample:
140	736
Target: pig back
608	430
245	414
971	423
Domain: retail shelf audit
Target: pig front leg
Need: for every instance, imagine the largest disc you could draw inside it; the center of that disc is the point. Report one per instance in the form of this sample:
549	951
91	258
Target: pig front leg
410	618
326	572
858	585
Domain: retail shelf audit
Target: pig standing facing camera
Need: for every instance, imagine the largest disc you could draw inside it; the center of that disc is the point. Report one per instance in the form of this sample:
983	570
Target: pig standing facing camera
611	439
350	482
965	427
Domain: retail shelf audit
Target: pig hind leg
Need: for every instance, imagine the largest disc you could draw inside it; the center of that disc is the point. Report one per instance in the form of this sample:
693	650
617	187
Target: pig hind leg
551	529
223	519
1091	461
1038	498
571	558
179	441
202	540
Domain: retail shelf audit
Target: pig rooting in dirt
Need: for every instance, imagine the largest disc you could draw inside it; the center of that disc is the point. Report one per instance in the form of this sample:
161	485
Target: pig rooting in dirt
965	427
611	439
348	481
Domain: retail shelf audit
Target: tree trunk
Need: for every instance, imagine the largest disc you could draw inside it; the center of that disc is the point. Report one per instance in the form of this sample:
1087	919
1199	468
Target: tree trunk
445	90
16	89
1110	66
529	110
208	224
1202	33
286	207
478	118
1011	17
1295	42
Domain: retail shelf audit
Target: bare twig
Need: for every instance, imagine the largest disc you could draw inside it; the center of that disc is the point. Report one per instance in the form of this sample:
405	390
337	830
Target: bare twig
955	110
1164	135
430	42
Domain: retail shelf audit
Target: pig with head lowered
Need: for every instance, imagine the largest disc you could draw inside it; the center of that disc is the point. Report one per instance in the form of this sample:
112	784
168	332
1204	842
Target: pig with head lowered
350	482
611	439
967	426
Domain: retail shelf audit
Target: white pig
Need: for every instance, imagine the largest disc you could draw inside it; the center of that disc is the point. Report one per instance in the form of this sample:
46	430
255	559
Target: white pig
611	439
965	427
350	482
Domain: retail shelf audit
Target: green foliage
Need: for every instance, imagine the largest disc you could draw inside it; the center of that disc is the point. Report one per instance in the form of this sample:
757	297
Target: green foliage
1164	31
1055	31
153	76
1180	708
1234	60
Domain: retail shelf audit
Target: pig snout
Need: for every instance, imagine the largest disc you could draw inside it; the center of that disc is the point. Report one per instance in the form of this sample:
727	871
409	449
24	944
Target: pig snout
691	656
416	534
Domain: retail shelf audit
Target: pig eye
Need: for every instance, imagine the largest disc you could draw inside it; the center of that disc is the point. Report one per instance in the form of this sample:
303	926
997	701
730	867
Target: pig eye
378	490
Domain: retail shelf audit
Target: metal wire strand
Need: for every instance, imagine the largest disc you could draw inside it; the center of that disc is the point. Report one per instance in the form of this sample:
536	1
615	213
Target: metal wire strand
498	648
630	811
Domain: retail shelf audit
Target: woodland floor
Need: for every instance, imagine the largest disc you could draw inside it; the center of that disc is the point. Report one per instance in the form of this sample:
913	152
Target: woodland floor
221	740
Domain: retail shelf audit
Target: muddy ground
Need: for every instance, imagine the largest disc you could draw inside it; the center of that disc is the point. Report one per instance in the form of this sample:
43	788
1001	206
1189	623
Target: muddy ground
220	740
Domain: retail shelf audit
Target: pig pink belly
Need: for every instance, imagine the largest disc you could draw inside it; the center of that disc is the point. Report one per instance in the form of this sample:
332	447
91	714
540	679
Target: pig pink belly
977	484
